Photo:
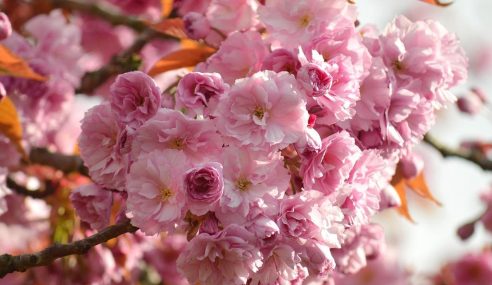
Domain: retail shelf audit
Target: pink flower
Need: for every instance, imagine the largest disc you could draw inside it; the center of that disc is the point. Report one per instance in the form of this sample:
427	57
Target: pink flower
204	186
196	26
149	8
265	110
103	147
328	169
359	245
200	91
281	60
93	205
135	98
248	176
310	215
411	165
5	26
4	191
472	269
228	257
240	55
9	156
228	16
156	197
170	129
292	23
186	6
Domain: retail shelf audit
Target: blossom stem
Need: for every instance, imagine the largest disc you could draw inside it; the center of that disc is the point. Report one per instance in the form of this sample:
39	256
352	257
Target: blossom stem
20	263
63	162
471	156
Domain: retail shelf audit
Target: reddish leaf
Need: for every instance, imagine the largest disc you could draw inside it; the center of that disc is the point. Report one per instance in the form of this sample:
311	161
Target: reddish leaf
419	186
10	125
399	184
166	7
172	27
11	64
186	57
438	2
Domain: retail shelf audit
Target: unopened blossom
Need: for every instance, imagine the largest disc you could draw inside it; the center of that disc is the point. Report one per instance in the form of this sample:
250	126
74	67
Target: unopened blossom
281	60
228	257
232	15
411	165
170	129
264	110
204	186
5	26
135	98
240	55
196	25
104	146
156	197
471	103
93	205
200	92
328	169
292	23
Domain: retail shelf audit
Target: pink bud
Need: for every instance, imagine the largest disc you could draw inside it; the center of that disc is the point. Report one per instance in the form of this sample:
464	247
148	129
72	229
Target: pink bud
196	25
5	26
389	198
411	165
470	104
3	92
479	92
466	231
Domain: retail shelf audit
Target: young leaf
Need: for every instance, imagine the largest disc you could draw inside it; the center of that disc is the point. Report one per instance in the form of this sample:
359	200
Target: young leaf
172	27
438	2
10	124
12	65
399	184
185	57
166	7
419	186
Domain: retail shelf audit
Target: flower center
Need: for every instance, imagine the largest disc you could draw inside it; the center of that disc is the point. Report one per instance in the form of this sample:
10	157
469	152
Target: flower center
243	184
304	21
398	65
166	193
259	112
177	143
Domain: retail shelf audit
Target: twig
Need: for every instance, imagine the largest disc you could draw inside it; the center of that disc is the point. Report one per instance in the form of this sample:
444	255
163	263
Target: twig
21	263
49	189
62	162
472	156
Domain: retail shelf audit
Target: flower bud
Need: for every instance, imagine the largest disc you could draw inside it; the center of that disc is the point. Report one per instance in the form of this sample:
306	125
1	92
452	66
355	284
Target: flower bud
196	25
5	26
470	104
204	186
411	165
466	231
389	198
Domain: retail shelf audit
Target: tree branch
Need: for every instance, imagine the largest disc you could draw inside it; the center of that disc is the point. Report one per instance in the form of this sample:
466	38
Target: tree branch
49	188
475	157
21	263
62	162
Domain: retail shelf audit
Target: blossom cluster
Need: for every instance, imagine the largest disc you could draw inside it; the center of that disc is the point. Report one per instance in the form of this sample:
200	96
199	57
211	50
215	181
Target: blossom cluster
273	154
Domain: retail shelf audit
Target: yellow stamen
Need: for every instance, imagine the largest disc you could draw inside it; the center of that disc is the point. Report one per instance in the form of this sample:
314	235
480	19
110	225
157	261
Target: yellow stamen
243	184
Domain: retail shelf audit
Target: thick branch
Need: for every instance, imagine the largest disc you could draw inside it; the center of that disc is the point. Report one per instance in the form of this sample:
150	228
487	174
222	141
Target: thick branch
21	263
49	189
62	162
472	156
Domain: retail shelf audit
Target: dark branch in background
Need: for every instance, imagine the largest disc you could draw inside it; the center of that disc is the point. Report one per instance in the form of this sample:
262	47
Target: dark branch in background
21	263
62	162
472	156
49	188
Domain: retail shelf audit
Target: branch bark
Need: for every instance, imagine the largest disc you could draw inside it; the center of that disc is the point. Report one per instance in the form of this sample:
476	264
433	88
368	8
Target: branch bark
62	162
49	189
21	263
474	157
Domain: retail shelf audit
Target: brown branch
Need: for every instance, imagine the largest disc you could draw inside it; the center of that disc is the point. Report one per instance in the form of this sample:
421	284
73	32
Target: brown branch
472	156
49	188
21	263
62	162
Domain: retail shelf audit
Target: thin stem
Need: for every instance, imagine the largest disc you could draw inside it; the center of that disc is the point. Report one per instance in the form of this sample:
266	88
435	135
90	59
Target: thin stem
20	263
472	156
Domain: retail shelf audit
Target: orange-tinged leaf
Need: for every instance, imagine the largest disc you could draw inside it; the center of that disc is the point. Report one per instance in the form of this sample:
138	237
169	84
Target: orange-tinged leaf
172	27
10	125
182	58
439	3
13	65
399	184
166	7
419	186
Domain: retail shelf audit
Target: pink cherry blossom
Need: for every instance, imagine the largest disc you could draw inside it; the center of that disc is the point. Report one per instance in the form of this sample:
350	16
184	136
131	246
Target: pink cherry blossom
240	55
232	15
196	25
148	8
186	6
5	26
282	60
93	205
471	269
156	197
204	186
228	257
4	191
103	146
264	110
170	129
135	98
